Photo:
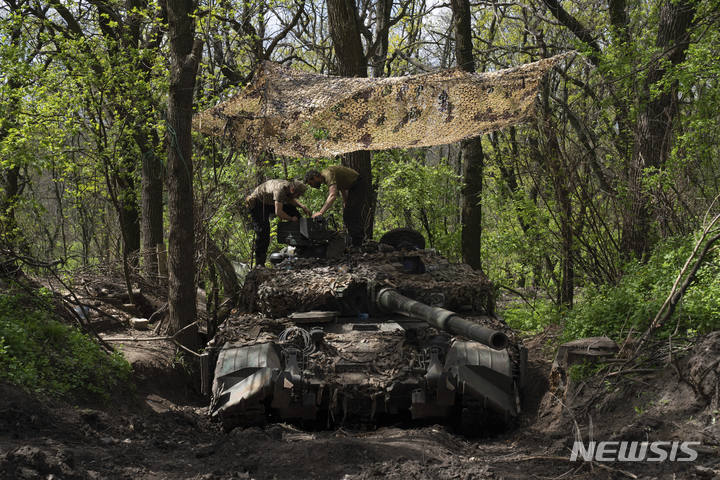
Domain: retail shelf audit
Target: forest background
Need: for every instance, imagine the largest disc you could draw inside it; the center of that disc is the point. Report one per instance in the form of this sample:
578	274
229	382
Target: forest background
582	217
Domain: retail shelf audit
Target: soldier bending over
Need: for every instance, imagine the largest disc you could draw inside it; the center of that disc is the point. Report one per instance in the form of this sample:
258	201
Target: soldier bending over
349	183
279	197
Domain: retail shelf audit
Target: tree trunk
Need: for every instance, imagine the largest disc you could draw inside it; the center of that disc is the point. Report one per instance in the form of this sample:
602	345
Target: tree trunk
129	215
351	62
8	200
471	235
147	141
382	29
9	177
472	152
653	131
345	34
152	206
360	162
185	57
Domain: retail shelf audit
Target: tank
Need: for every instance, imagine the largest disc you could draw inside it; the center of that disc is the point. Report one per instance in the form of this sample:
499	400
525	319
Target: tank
390	332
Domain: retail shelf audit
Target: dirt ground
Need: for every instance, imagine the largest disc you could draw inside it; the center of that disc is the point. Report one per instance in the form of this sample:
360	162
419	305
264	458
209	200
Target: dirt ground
162	431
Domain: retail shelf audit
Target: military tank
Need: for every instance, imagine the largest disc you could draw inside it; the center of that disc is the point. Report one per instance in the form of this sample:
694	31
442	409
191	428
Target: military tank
392	331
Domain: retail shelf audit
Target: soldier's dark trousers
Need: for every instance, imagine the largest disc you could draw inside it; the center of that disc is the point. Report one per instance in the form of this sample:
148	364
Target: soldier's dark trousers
353	215
260	214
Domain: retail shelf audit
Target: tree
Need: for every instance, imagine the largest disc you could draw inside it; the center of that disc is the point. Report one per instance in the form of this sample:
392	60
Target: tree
16	59
145	136
655	122
186	53
656	113
471	150
352	62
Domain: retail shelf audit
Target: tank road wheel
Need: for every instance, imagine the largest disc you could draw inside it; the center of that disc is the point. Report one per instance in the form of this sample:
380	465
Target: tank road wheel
404	238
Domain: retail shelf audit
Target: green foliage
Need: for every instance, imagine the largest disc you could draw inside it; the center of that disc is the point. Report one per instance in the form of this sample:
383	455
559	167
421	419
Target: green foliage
320	133
512	254
41	354
531	318
698	135
78	111
632	304
412	193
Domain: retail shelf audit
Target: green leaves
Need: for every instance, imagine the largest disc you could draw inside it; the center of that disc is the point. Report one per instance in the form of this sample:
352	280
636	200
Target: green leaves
634	301
531	318
40	354
412	192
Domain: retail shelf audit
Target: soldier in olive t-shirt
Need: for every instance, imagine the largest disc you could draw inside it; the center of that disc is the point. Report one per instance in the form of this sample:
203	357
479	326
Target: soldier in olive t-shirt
343	177
348	182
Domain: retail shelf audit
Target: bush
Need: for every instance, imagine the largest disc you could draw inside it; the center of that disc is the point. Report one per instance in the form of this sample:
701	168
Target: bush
528	319
420	196
614	309
43	355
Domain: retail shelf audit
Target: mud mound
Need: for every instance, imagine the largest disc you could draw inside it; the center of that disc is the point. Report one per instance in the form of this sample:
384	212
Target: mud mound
703	370
668	394
32	462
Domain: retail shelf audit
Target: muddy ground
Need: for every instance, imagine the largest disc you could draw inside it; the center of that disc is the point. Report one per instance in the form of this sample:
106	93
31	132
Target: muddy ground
162	431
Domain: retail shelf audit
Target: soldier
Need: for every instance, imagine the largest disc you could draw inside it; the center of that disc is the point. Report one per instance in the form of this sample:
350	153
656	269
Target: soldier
348	182
274	196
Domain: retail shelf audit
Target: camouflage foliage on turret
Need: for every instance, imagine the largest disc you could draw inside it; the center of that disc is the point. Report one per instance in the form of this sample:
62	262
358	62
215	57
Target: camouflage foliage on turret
312	284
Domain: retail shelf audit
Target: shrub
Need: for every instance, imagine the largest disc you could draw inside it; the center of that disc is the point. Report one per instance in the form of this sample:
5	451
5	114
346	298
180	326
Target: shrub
43	355
614	309
528	319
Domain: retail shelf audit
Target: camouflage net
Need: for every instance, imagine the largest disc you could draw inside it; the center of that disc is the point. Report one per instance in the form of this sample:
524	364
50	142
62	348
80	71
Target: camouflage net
313	284
294	113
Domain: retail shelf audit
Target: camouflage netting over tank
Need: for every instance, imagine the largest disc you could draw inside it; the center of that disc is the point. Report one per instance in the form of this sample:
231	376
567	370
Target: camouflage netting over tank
313	284
294	113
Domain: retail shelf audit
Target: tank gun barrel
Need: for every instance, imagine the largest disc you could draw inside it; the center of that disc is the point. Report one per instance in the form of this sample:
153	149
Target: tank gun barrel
390	300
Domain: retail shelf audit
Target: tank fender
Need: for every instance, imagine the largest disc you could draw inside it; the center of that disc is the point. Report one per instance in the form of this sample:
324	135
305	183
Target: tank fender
484	374
243	376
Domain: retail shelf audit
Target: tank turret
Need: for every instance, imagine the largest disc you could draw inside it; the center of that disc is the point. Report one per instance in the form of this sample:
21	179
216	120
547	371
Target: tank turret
379	334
